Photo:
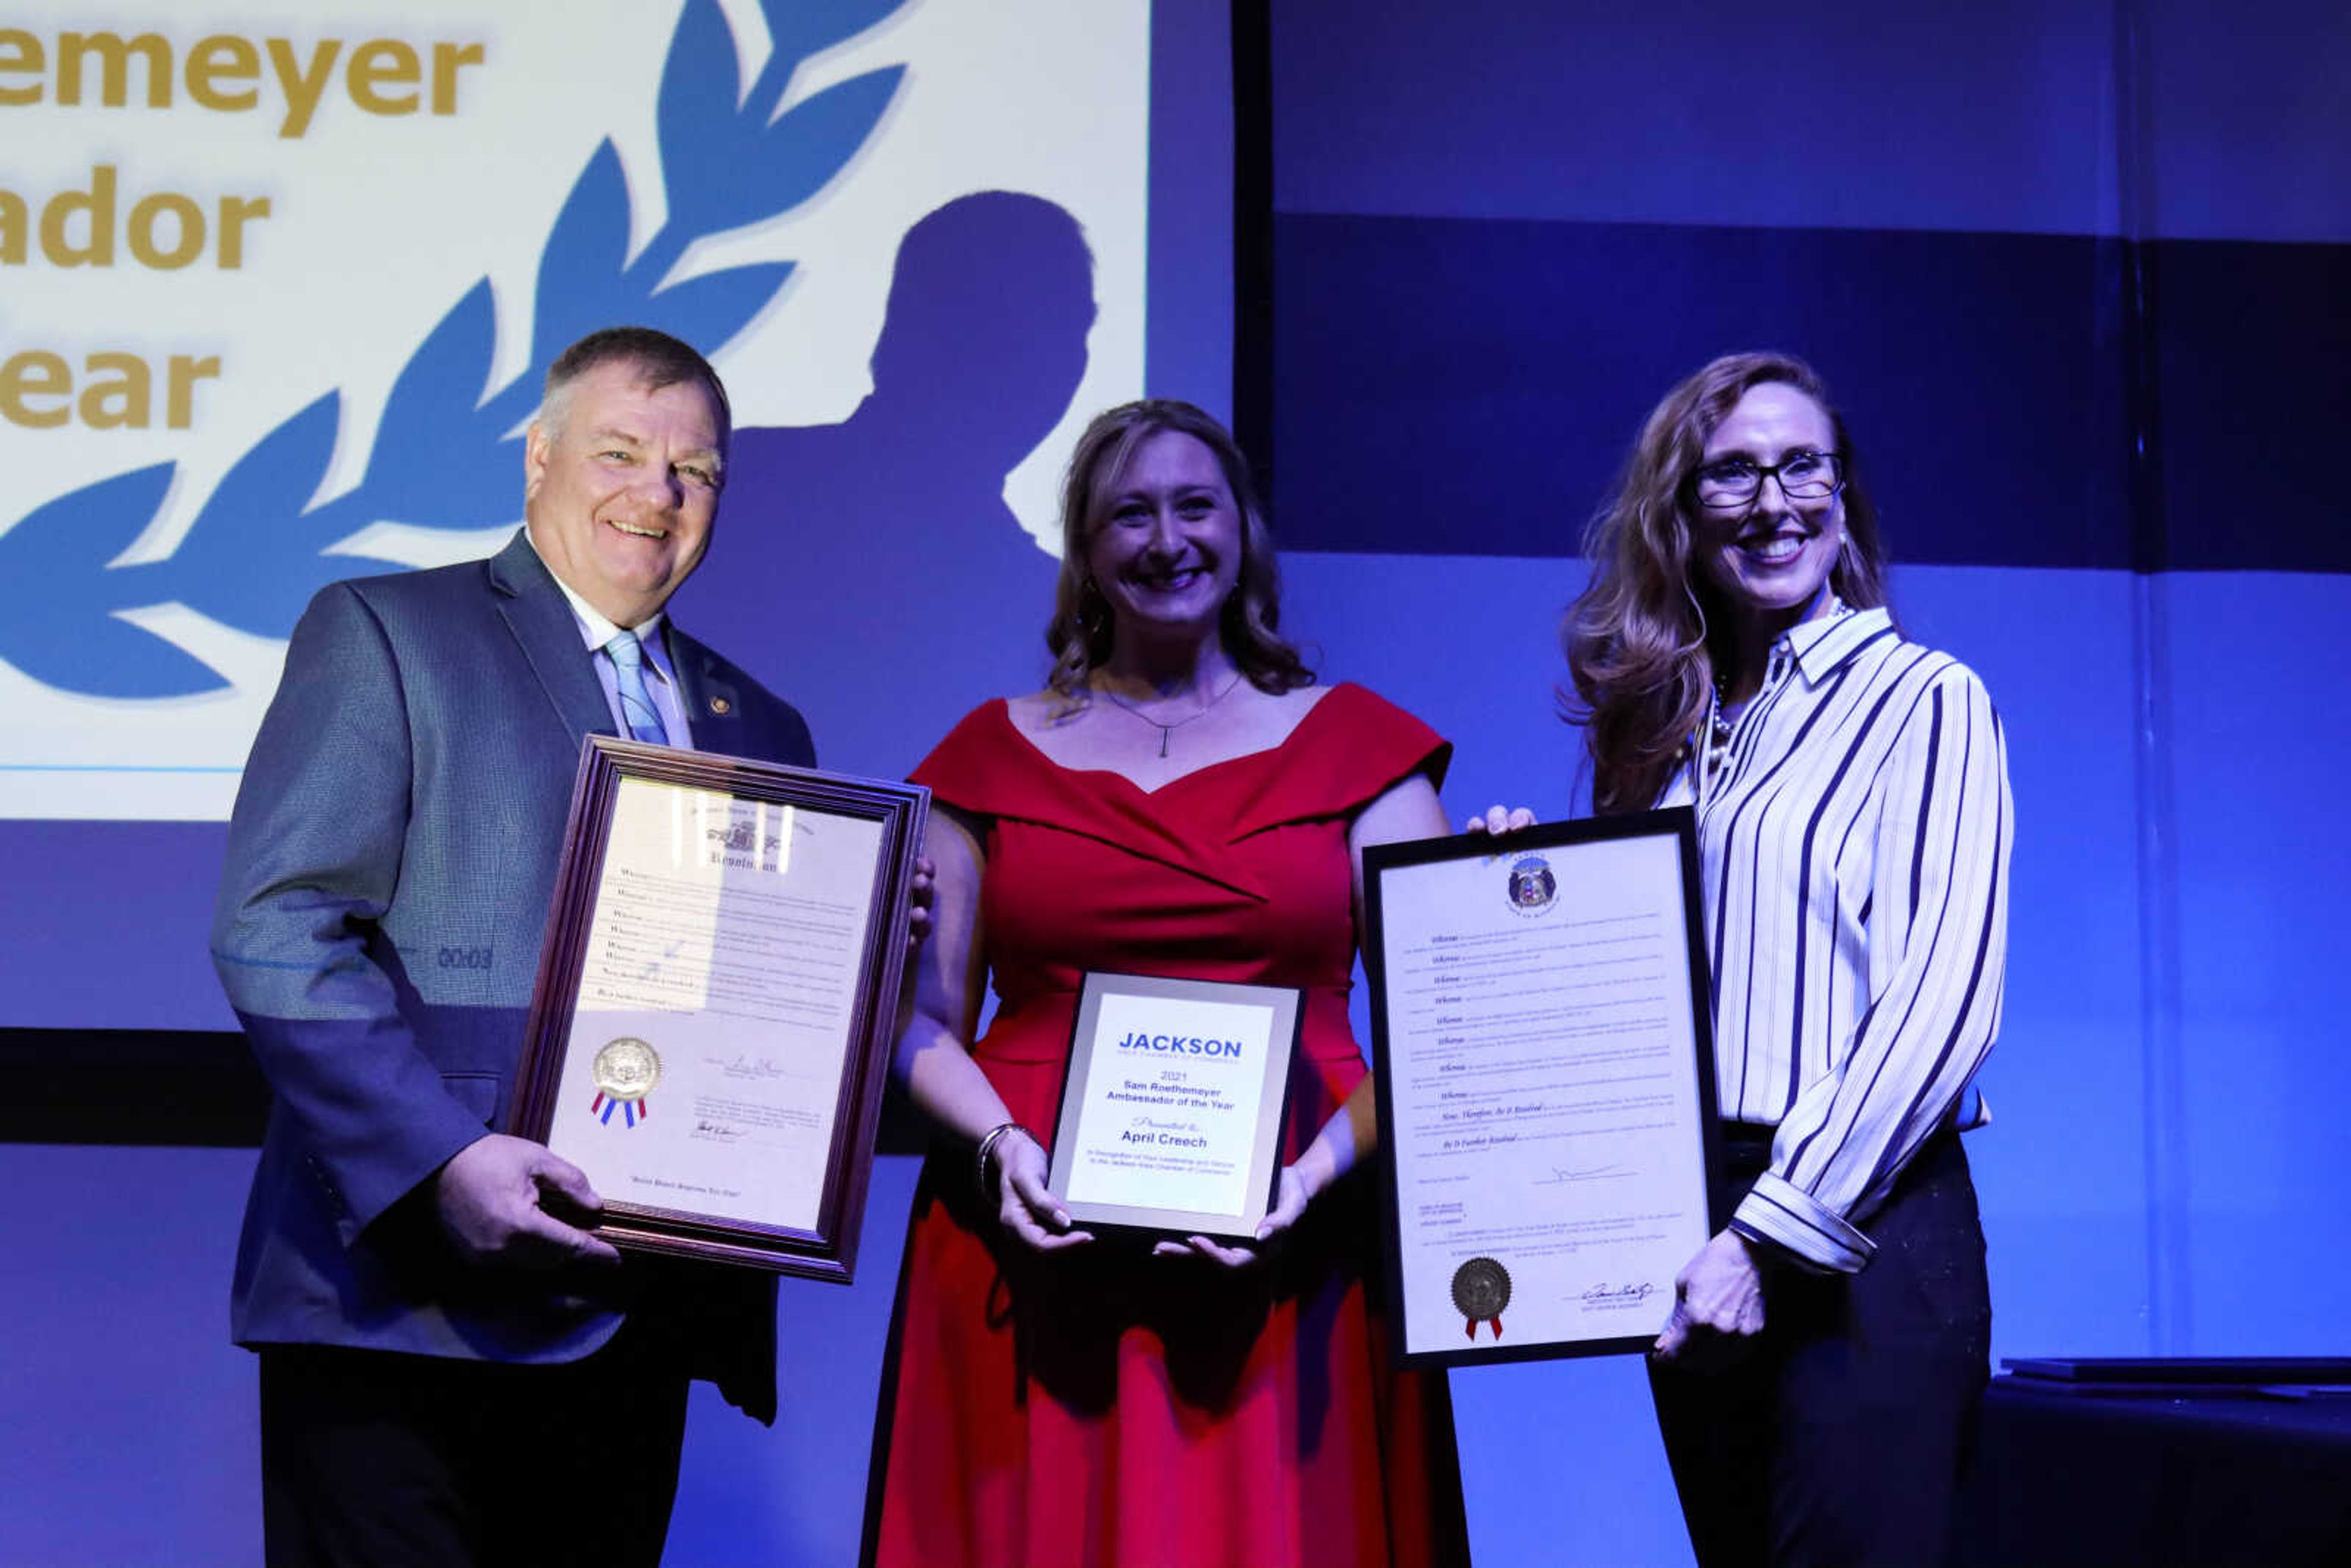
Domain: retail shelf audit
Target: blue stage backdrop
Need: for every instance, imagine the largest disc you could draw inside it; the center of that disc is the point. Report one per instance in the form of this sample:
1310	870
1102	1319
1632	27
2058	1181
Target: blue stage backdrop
2074	268
2077	271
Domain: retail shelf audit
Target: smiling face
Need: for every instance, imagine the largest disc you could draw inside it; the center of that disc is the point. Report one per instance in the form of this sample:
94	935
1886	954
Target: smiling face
620	488
1167	551
1769	560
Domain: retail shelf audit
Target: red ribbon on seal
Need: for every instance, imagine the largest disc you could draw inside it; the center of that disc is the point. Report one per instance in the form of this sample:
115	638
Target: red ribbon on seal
1481	1289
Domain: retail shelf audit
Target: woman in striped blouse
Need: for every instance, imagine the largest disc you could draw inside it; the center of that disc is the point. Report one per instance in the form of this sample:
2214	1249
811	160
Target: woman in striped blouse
1819	1378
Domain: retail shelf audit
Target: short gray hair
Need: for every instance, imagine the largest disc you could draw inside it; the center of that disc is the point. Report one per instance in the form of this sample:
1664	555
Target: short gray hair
659	359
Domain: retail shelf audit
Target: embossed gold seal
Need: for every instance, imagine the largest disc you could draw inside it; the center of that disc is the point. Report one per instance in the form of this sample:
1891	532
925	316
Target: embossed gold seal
626	1069
1481	1289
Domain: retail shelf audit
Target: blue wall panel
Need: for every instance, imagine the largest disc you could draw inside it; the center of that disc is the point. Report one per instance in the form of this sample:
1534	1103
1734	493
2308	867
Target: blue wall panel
1814	113
128	1417
2254	383
1453	386
2249	129
2061	1170
148	887
2263	865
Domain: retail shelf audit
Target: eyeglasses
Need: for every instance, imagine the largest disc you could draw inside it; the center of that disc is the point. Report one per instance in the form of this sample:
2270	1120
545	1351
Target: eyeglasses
1803	476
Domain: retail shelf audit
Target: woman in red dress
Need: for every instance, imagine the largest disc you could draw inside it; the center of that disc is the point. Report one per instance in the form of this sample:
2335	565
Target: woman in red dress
1181	800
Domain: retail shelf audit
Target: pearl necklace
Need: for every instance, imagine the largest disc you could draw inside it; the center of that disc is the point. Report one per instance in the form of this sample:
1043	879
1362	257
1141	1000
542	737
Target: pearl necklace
1725	717
1720	721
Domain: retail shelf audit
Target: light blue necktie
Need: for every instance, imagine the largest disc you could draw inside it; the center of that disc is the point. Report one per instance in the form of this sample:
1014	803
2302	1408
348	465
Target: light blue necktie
628	657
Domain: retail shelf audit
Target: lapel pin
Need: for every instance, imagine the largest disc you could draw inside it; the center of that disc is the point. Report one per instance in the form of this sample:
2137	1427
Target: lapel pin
720	706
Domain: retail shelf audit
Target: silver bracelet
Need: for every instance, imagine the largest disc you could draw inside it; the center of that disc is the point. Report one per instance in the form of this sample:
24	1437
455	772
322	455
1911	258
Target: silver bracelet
988	1145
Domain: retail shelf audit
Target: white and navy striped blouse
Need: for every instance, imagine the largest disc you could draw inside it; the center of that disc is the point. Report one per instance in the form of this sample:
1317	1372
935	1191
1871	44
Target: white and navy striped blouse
1855	843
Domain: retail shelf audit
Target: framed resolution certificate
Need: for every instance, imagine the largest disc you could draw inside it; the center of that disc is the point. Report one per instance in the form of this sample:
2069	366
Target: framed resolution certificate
716	999
1171	1114
1541	1026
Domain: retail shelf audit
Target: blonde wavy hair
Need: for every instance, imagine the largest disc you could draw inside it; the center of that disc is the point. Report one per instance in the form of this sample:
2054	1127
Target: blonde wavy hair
1638	658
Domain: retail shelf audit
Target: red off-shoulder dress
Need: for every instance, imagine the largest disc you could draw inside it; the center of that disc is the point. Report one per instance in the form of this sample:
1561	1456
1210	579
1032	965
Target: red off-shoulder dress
1104	1406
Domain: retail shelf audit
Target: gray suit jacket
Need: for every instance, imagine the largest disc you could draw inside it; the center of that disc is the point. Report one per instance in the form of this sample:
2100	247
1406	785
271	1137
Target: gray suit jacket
389	865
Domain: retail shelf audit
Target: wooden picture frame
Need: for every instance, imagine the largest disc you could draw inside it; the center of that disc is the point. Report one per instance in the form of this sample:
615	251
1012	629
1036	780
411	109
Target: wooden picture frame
717	1000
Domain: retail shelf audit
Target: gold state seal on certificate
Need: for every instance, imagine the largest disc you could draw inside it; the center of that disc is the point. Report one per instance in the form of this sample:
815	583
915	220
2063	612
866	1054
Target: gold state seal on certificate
1540	1035
726	935
1481	1289
624	1072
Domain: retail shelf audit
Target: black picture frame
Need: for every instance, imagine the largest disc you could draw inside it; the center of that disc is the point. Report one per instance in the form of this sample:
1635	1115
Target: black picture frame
1383	865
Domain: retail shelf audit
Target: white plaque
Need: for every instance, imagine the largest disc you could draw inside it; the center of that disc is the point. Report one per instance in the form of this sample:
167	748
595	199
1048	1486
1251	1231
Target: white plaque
1171	1114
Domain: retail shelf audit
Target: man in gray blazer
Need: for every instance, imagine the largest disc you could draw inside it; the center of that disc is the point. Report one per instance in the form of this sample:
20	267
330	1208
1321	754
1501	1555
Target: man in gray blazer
453	1368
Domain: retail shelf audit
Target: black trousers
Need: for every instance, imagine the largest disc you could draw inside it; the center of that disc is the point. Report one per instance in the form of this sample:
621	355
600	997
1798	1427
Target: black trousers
1846	1435
389	1460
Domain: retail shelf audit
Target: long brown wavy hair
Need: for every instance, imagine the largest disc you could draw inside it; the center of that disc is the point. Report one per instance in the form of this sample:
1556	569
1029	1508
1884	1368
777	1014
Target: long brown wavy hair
1079	633
1636	637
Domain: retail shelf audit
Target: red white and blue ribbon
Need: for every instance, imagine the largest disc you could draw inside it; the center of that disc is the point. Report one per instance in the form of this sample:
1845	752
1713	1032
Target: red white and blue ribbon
632	1111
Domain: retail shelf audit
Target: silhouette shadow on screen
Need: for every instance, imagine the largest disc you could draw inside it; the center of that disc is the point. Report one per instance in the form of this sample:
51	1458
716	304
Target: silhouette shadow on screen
870	572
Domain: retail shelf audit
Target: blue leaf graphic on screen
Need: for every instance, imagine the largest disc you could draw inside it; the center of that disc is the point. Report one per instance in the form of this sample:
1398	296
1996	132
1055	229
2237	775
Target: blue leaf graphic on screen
697	113
774	167
115	659
256	515
440	452
800	29
444	457
715	305
586	253
803	151
65	635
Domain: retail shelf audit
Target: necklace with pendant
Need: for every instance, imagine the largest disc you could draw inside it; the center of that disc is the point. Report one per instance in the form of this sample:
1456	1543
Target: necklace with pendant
1169	727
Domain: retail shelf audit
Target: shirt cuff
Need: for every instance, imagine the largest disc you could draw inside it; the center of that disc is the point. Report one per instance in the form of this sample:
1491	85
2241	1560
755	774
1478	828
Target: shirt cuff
1786	1217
